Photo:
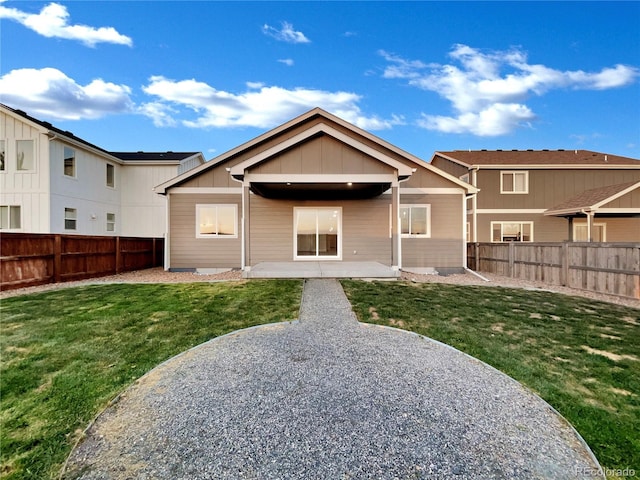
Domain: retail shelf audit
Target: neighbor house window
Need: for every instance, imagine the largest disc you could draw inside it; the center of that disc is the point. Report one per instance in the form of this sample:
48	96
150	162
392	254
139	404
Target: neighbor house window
70	219
415	220
598	232
2	164
216	221
514	182
69	162
111	175
10	217
512	231
25	159
111	222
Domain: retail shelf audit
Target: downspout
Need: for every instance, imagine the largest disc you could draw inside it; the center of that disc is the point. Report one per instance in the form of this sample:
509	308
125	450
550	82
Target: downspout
474	203
397	213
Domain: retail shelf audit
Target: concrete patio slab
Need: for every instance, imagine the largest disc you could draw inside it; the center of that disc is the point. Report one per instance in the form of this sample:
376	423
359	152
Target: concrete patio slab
321	270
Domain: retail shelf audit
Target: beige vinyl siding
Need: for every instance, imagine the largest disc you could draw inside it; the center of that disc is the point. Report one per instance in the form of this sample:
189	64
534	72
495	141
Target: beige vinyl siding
187	251
365	229
444	248
547	188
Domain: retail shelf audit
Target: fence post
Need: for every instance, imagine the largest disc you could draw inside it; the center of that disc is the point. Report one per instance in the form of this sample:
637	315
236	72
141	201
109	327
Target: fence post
564	261
118	255
153	247
57	258
512	256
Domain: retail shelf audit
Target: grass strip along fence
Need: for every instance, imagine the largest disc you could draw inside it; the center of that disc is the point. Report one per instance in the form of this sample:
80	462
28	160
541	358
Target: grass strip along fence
67	353
579	355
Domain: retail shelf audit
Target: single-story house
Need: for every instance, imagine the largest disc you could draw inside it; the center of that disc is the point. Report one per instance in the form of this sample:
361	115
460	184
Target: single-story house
319	189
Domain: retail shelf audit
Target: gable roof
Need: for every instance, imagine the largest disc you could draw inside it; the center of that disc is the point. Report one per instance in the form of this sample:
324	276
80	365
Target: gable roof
537	158
591	200
295	122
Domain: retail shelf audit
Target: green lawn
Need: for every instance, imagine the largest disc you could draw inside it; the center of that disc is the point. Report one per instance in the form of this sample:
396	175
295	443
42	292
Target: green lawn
67	353
581	356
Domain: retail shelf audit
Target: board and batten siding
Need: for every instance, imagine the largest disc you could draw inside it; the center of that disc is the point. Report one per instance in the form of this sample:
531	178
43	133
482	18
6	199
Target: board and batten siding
365	229
187	251
444	249
28	189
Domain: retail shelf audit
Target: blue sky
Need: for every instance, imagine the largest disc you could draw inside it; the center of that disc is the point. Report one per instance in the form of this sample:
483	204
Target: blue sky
425	76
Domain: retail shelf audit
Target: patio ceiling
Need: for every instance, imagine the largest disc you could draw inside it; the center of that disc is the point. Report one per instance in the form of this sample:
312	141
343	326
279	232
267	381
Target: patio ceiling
319	191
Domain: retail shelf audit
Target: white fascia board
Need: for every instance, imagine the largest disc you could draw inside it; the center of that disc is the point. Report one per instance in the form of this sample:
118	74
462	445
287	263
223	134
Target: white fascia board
316	178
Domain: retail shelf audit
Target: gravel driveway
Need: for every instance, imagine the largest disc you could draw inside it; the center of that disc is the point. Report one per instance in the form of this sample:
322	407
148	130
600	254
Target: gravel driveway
326	397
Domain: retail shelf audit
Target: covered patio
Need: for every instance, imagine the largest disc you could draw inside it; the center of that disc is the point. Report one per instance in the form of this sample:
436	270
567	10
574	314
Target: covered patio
324	269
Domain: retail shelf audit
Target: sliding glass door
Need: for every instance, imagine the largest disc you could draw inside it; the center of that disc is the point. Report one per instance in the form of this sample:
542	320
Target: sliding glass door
317	233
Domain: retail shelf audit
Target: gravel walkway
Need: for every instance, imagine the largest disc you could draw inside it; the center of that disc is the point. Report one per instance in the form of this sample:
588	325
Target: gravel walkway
328	398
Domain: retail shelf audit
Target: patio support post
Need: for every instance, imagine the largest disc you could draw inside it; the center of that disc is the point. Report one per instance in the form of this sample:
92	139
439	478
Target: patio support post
395	237
246	240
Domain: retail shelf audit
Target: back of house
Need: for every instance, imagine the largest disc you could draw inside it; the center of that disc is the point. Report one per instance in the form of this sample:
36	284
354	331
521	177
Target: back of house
316	189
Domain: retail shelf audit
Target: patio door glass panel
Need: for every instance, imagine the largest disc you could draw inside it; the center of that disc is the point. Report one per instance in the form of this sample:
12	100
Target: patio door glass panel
306	233
317	232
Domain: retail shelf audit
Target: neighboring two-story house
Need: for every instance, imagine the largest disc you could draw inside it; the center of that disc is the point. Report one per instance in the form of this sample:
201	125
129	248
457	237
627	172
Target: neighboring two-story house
548	195
52	181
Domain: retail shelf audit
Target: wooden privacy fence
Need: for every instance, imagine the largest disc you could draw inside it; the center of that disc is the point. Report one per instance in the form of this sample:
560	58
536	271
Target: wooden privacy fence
28	259
612	268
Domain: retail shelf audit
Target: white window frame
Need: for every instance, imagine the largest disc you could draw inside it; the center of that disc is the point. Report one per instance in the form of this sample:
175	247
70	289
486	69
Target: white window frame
106	180
33	159
64	161
585	225
316	258
71	218
110	222
10	216
503	222
513	174
202	206
427	234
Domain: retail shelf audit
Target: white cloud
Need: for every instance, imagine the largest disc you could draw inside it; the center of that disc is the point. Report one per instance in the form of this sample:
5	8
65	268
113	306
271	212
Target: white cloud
487	90
285	34
51	94
260	106
287	61
52	21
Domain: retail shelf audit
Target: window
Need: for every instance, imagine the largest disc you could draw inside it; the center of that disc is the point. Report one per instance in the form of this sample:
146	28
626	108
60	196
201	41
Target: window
317	233
514	182
598	232
10	217
111	175
216	221
512	231
24	155
2	166
111	222
70	218
415	220
69	162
